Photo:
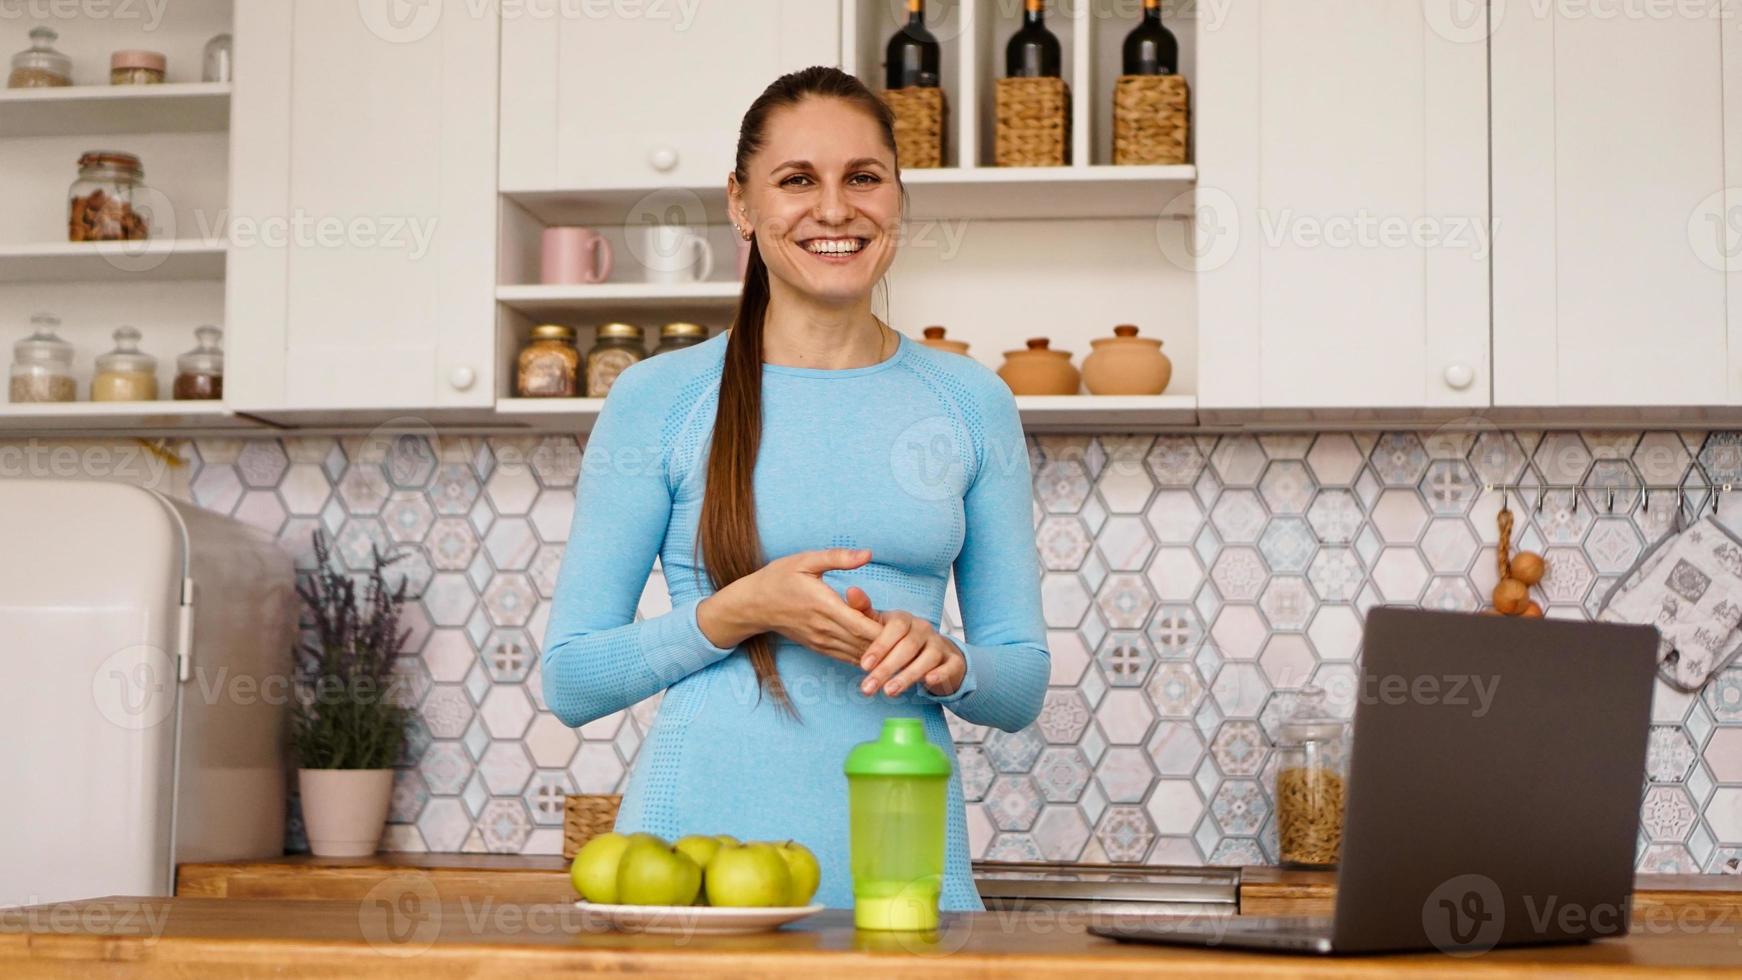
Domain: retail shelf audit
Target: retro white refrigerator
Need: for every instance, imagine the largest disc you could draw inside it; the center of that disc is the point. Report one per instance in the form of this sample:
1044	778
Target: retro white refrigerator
146	647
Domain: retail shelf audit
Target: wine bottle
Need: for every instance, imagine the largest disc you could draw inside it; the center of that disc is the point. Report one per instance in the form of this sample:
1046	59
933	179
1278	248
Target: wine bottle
911	60
1150	48
1033	51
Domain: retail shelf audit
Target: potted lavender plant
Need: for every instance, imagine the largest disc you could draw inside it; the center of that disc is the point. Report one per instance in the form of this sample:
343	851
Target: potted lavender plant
347	725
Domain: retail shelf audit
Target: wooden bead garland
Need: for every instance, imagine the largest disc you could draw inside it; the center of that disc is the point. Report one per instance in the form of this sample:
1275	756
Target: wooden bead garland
1517	573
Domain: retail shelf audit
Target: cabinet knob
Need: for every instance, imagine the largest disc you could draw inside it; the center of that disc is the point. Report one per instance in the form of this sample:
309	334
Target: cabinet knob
1460	376
663	159
462	377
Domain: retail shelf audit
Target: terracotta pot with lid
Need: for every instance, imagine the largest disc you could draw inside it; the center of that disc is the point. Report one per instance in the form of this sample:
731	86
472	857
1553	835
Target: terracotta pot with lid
1039	370
934	338
1126	364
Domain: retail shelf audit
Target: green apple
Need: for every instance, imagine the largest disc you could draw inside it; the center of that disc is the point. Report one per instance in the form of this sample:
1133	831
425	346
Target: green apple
806	872
727	839
653	874
594	872
748	876
700	848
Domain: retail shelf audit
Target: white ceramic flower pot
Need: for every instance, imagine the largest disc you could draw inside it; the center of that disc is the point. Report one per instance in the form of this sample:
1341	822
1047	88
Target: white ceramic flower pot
344	810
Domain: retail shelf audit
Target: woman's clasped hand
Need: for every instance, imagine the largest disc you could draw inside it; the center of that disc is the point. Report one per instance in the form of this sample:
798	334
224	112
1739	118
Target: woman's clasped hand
788	596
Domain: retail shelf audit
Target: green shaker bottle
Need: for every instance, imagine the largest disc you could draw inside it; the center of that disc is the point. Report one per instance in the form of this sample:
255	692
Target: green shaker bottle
896	790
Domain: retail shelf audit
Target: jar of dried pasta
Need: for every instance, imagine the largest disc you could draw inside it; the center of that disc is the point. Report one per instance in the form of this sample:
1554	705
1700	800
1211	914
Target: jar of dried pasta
618	347
549	366
1311	769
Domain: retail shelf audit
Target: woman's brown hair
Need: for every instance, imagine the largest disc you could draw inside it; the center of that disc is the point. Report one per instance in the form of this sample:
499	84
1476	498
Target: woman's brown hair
730	544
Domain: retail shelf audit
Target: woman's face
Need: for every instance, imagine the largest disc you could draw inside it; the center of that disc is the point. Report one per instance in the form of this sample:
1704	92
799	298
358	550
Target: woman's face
823	200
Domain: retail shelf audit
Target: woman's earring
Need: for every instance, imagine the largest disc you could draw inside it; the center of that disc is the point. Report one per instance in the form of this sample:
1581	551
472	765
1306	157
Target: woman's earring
744	233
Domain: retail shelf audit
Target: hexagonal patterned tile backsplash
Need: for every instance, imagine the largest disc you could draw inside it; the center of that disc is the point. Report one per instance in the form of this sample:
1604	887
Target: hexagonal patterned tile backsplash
1191	584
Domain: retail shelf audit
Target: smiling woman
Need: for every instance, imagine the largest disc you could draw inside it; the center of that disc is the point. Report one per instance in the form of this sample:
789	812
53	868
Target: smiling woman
809	482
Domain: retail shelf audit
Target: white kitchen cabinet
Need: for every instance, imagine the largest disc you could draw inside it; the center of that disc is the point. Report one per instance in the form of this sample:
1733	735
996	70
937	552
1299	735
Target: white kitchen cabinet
1611	240
363	224
1341	208
598	97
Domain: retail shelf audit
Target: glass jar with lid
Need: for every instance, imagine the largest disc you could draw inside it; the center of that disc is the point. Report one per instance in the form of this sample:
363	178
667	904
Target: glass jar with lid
101	200
620	345
125	374
1312	765
199	374
549	366
42	364
676	336
137	68
220	60
40	65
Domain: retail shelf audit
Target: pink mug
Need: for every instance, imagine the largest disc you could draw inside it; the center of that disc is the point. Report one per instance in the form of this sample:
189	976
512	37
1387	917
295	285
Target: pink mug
575	255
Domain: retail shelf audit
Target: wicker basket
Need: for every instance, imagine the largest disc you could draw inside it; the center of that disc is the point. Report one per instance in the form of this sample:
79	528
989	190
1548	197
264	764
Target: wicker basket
1034	123
921	120
586	817
1151	119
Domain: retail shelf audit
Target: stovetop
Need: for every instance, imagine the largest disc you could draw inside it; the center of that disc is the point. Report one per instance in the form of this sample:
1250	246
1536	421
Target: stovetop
1107	887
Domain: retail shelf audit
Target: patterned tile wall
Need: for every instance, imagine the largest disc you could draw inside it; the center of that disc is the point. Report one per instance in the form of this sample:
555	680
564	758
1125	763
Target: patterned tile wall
1192	583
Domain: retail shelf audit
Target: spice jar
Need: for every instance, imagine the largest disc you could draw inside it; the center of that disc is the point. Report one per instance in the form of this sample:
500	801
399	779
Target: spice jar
199	374
549	366
101	208
125	374
619	346
676	336
1312	762
40	65
42	365
220	60
137	68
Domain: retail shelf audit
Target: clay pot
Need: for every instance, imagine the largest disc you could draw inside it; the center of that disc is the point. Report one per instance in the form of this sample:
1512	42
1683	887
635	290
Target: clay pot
934	338
1039	370
1126	364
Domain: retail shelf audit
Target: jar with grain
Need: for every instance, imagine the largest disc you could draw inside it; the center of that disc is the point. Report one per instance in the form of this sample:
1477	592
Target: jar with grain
102	199
199	374
125	374
619	347
40	65
1312	766
549	366
42	365
137	68
677	336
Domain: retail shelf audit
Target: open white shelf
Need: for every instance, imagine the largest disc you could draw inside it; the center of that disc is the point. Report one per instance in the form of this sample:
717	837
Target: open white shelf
186	107
128	417
1061	413
629	297
1017	193
160	260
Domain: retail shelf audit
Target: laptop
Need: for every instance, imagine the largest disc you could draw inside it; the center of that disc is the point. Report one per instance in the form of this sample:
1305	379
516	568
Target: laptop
1497	804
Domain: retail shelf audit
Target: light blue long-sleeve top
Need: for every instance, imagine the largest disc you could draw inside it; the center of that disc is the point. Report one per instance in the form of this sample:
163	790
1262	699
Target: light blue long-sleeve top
919	459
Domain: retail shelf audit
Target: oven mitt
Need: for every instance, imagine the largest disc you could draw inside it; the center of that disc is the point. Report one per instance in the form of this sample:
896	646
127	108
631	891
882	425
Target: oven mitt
1690	588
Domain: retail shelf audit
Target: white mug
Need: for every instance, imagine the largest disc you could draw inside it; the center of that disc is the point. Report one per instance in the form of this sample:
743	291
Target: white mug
675	253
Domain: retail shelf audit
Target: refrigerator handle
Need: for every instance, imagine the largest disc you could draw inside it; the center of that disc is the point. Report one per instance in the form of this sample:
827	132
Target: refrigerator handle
184	632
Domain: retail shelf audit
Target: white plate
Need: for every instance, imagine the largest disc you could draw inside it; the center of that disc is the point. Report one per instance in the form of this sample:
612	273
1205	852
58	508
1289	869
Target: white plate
695	920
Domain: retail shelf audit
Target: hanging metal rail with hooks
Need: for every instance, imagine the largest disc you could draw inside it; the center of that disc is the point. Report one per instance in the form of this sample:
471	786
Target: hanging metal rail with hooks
1713	492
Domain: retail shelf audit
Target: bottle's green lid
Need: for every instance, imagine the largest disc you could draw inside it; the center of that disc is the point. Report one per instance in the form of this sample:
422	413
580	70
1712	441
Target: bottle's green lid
901	751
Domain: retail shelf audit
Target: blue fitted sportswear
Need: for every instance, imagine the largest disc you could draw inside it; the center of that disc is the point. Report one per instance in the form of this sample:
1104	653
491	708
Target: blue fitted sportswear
919	459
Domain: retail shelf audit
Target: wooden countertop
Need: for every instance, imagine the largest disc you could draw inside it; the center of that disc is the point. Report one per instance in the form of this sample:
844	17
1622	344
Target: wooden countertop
535	879
400	933
1281	891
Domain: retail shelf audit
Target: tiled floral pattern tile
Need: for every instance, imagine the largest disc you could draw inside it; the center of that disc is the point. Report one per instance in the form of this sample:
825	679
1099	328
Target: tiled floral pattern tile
1192	583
